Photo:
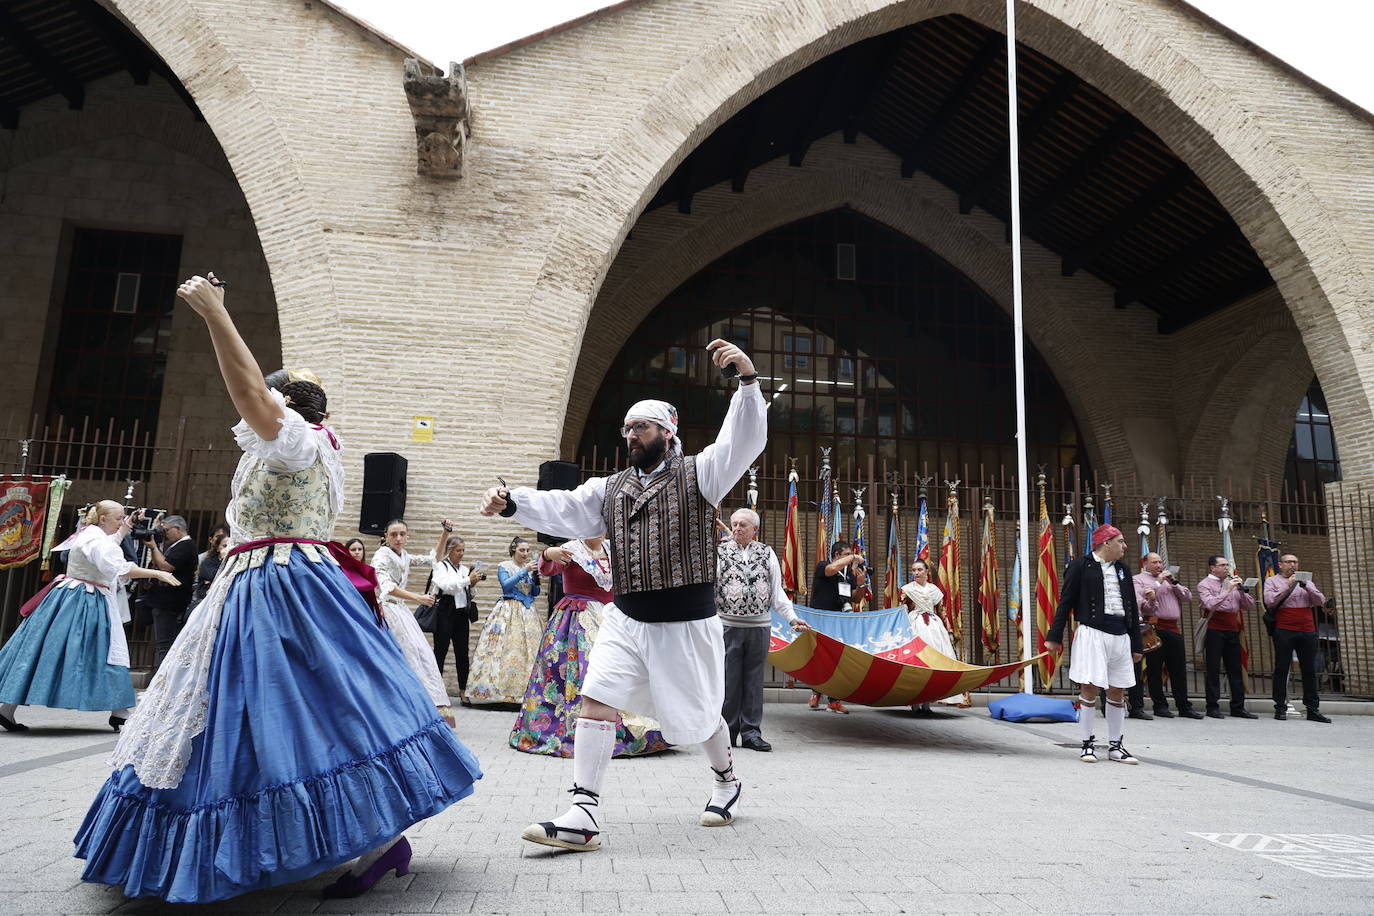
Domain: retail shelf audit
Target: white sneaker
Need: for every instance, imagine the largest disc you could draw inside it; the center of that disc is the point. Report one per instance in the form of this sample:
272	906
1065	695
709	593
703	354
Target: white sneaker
1088	755
1119	754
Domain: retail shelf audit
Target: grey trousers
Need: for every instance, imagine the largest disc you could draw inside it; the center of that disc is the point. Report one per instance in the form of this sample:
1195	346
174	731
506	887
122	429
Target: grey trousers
746	654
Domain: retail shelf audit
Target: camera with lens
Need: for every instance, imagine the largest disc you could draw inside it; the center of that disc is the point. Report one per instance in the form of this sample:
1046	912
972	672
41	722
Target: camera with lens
149	525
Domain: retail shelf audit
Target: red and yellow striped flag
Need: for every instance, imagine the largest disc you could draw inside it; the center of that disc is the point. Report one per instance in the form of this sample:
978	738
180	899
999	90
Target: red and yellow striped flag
1046	591
791	546
987	584
949	574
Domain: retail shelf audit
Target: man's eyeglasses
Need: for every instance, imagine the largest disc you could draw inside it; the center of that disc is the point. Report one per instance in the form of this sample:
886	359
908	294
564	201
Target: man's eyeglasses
639	428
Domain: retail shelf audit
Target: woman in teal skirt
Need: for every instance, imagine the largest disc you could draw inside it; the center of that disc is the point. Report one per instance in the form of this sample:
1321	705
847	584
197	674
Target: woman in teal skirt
70	652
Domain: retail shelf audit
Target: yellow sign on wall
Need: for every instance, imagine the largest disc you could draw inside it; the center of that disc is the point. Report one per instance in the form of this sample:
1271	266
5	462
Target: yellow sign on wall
422	430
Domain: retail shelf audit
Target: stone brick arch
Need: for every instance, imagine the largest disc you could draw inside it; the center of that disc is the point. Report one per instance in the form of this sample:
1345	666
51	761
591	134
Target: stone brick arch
257	150
1151	58
1259	382
167	125
913	209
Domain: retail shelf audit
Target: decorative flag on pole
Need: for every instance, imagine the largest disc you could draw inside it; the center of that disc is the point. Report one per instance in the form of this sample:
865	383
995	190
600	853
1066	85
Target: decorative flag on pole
836	518
1089	524
987	582
892	583
1266	555
949	569
1106	504
1144	532
791	546
823	510
922	551
1016	599
1046	590
1162	536
1224	525
23	514
864	598
1070	551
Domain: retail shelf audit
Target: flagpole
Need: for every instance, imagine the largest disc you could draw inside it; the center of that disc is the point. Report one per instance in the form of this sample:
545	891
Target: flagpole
1018	329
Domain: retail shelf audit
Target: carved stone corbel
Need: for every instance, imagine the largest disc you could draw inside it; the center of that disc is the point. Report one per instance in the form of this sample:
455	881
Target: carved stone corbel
439	105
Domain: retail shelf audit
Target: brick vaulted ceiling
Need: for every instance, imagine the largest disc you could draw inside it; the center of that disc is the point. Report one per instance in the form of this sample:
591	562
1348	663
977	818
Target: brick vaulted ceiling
1098	188
56	47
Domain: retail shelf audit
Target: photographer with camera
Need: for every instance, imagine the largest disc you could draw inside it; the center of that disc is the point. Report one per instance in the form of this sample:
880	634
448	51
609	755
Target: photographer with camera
172	551
835	587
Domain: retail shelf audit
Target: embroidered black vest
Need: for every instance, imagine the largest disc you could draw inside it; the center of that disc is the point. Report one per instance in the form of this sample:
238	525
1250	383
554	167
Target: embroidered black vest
663	556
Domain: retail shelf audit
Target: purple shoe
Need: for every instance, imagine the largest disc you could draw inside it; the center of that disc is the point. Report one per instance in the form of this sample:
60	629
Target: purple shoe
397	857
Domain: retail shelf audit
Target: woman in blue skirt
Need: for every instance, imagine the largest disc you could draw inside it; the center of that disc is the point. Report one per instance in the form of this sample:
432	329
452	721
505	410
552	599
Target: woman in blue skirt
285	734
70	652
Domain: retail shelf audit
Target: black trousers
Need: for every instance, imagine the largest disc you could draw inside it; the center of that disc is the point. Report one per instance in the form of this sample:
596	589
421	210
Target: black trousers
1135	695
746	655
1286	642
1172	655
1223	647
451	627
166	625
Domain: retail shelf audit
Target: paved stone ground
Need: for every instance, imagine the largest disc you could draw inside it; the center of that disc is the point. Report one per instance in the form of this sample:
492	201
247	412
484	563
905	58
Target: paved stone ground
877	812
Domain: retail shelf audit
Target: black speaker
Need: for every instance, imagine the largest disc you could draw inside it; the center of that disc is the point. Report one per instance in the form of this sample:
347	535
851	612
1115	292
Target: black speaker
384	491
557	475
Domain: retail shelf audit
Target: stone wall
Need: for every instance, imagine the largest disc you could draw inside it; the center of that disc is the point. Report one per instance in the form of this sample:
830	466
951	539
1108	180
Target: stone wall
133	160
470	301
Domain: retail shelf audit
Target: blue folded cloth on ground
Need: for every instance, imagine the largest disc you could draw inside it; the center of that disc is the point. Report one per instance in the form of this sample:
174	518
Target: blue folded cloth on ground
1027	707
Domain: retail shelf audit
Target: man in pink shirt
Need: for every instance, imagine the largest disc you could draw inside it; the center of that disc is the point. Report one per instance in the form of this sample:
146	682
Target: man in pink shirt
1161	597
1223	600
1291	603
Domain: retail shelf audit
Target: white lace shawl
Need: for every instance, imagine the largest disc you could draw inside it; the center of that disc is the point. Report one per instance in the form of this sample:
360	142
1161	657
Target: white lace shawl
600	572
156	740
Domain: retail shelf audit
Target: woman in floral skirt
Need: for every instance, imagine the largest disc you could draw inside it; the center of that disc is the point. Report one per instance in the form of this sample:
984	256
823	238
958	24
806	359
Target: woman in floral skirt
549	712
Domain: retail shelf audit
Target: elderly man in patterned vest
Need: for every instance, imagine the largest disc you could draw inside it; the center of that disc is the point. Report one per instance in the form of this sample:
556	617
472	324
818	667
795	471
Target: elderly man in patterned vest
748	590
661	649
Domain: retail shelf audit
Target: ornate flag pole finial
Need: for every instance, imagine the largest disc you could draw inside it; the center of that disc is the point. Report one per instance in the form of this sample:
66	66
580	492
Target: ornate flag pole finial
1163	518
753	491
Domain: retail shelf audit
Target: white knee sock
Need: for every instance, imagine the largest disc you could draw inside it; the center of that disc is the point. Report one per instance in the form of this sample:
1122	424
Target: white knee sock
1116	720
593	745
1087	711
717	748
8	710
124	713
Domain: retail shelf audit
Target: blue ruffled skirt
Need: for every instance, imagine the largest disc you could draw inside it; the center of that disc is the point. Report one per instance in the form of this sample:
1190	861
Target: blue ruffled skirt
57	656
320	744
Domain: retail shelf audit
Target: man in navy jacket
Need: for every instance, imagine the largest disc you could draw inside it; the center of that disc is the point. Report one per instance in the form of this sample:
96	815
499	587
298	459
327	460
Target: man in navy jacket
1099	591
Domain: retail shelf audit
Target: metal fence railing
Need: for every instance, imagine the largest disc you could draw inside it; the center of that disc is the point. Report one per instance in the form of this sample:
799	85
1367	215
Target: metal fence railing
125	465
1317	527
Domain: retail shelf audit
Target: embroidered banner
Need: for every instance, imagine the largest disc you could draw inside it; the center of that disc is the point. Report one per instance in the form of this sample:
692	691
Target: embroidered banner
23	507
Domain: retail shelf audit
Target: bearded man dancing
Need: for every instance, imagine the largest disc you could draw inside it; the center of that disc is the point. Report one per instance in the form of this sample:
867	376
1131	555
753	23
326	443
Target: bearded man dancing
660	652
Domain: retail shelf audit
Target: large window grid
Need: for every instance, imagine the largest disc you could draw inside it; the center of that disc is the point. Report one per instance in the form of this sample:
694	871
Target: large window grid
1312	457
115	330
909	363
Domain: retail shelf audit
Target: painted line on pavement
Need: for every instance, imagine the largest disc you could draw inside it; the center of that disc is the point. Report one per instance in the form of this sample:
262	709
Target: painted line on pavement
37	763
1215	774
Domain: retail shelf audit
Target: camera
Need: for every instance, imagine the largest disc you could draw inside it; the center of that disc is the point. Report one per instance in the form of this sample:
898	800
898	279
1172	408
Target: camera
149	526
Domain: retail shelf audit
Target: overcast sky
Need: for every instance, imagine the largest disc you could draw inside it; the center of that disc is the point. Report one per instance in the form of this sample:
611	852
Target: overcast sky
1326	39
